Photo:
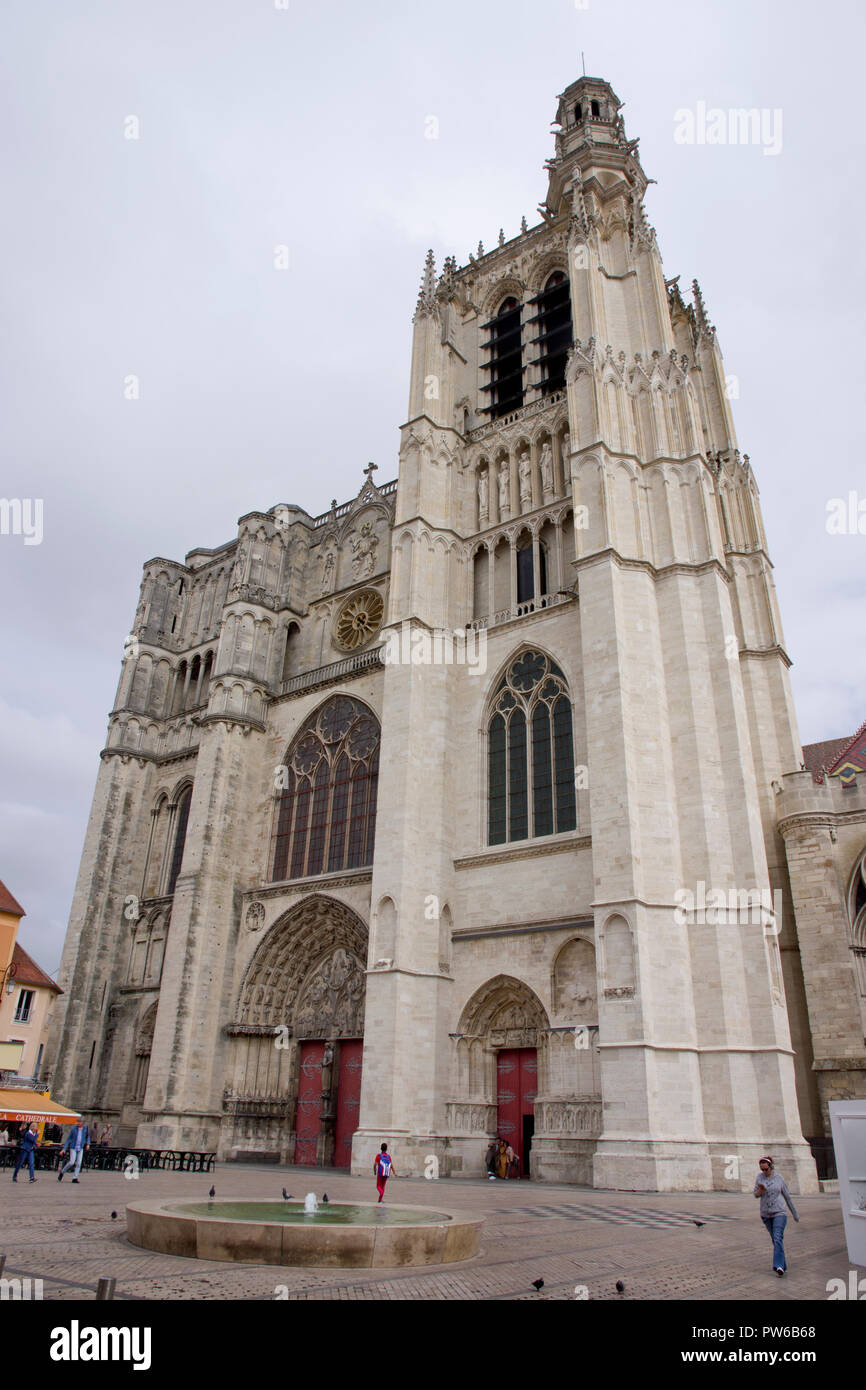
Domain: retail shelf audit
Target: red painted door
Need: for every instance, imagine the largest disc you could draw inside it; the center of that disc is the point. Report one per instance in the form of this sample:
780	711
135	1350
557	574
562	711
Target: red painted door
348	1099
308	1120
516	1089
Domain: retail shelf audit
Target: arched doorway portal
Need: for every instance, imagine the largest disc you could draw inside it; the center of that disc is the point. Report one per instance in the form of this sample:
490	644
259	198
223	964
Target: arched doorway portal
295	1081
502	1058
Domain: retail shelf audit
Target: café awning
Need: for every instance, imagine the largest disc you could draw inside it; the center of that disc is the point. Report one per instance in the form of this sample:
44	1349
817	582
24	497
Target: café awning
21	1105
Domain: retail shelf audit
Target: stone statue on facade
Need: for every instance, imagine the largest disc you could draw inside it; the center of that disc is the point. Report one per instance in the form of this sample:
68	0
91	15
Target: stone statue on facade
504	481
545	463
329	572
364	543
483	497
525	474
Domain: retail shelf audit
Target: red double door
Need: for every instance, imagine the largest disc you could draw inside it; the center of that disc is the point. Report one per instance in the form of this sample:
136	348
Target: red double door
516	1089
347	1079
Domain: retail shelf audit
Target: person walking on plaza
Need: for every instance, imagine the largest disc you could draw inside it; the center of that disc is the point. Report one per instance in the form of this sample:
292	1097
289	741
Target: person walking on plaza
772	1189
383	1167
26	1150
76	1144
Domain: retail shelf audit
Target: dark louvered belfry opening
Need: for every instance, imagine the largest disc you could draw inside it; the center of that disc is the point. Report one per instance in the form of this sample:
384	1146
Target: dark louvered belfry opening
554	339
505	387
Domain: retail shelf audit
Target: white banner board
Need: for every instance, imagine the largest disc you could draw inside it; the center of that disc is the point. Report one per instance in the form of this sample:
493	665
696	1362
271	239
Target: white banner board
848	1122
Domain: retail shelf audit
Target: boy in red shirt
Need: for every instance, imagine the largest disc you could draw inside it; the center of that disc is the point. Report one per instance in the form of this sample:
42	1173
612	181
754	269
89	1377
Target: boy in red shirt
383	1167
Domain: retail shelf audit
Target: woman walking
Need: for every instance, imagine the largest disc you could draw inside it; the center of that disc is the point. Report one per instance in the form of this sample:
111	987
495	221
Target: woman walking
772	1189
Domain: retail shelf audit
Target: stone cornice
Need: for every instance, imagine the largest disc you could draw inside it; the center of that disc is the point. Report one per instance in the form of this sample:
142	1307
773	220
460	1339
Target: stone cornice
657	571
522	929
446	429
765	653
502	856
578	455
145	756
307	885
818	820
125	754
840	1063
241	721
693	1047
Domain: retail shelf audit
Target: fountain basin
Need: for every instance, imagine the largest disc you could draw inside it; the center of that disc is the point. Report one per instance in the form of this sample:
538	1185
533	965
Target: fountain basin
356	1235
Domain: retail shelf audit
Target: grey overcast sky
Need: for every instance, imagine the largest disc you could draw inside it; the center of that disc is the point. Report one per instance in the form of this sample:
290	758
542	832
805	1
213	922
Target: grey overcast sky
306	126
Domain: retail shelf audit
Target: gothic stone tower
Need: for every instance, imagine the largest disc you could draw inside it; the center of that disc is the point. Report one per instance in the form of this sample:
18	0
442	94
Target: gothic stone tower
570	487
526	705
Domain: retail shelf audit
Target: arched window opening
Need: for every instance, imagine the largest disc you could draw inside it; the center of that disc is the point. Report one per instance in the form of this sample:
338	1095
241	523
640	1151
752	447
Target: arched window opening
530	753
526	572
194	675
179	684
505	387
180	837
290	651
325	818
555	336
857	916
205	680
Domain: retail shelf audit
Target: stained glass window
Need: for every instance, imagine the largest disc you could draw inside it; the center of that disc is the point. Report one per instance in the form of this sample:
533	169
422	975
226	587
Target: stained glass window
325	818
530	753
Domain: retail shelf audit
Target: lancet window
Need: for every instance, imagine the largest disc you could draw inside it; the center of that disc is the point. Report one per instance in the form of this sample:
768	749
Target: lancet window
530	752
505	345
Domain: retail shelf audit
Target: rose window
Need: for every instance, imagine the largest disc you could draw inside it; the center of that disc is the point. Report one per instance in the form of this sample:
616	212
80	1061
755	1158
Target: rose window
358	620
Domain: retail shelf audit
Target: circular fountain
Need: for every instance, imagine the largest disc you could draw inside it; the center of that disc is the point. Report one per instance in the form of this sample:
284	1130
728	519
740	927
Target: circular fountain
347	1235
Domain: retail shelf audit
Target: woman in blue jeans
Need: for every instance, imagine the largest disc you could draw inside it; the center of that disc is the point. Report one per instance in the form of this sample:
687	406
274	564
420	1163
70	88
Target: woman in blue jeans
773	1192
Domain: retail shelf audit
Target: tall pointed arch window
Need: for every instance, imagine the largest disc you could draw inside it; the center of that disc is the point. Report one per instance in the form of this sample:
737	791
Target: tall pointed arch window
181	822
326	813
857	916
505	345
530	753
554	332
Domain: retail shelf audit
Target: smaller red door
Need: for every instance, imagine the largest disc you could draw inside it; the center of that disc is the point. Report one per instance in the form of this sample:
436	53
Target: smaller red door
308	1120
348	1099
516	1089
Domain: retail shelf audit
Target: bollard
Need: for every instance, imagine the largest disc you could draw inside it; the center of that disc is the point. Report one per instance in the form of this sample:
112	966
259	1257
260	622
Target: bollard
105	1289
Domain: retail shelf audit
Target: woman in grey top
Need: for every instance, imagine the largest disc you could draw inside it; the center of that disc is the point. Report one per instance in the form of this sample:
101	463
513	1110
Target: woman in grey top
773	1192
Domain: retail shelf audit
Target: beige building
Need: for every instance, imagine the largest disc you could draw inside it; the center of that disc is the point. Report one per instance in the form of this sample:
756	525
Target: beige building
27	995
455	810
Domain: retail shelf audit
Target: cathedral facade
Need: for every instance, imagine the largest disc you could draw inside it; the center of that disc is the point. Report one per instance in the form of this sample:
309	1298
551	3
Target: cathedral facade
410	813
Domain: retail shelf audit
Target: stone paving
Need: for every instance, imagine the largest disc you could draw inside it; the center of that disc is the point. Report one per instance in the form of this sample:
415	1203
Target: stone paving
567	1236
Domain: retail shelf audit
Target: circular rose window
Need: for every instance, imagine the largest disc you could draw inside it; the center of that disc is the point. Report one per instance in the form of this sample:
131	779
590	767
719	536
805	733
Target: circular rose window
358	620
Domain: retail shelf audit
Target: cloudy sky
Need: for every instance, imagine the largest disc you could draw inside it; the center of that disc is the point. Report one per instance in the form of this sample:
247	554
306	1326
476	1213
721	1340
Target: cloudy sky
264	124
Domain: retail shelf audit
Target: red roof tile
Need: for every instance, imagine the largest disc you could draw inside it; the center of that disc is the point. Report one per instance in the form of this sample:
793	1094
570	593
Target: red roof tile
27	972
819	756
8	903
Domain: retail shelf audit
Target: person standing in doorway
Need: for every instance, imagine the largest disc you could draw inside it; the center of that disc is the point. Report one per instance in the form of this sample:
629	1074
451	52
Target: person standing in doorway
502	1160
383	1167
491	1159
75	1146
772	1189
26	1151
